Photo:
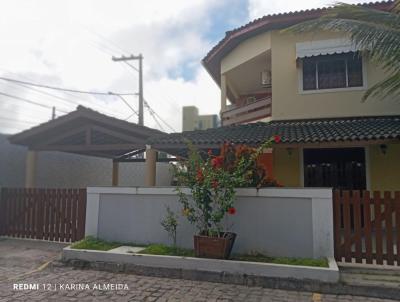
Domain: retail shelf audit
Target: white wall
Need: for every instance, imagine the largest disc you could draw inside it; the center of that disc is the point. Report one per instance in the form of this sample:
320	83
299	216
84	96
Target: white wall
65	170
276	222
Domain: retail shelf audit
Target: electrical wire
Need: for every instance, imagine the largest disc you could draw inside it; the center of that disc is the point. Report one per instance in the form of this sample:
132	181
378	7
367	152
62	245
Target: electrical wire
3	118
154	117
30	102
65	100
152	112
77	100
126	102
62	89
127	118
157	115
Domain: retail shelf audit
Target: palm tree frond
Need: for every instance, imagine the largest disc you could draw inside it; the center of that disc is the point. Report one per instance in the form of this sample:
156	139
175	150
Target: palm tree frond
387	87
396	7
349	11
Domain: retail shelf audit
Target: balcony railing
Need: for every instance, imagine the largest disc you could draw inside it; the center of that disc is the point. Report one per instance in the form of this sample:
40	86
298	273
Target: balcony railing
247	113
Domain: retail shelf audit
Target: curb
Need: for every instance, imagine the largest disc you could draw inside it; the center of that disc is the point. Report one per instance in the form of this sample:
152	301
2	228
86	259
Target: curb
338	288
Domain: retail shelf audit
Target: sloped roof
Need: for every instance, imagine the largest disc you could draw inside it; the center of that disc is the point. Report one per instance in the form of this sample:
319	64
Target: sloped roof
88	132
332	130
212	60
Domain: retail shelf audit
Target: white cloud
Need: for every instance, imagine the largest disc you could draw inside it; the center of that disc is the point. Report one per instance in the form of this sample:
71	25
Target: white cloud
70	44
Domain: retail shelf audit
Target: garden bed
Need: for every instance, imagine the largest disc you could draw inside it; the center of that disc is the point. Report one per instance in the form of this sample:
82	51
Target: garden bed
90	243
163	257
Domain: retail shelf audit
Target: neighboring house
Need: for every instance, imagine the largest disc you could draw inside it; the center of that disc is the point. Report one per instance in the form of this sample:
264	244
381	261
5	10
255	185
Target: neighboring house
191	120
66	170
82	148
308	88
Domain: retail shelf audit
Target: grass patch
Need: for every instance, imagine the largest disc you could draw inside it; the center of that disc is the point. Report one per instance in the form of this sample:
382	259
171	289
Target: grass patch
161	249
282	260
92	243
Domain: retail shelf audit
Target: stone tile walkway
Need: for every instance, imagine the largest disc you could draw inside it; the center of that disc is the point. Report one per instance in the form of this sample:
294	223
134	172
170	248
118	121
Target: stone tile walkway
19	263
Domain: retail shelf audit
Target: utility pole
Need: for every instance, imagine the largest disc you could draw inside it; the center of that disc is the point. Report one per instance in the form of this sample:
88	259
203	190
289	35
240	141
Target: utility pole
53	113
141	100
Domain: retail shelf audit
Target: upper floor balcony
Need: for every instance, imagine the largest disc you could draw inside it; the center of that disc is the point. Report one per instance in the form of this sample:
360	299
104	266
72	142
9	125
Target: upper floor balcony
248	108
248	87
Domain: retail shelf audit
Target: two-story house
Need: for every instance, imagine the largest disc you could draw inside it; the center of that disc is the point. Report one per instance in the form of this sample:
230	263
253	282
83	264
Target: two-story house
309	89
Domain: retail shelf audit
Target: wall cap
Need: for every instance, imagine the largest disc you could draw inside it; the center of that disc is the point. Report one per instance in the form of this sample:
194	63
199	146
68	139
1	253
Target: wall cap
243	192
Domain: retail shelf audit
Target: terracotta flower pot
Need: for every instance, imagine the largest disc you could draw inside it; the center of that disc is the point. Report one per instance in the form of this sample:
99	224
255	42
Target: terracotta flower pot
214	247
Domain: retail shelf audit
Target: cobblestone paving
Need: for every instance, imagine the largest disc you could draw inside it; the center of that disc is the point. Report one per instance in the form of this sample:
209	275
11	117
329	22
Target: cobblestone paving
143	288
20	256
19	260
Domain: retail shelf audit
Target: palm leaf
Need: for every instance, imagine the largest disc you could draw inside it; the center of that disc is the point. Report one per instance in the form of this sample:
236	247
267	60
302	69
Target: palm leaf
385	88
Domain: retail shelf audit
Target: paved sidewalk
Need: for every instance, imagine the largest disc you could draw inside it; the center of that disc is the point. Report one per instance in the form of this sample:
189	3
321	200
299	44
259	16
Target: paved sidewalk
22	264
18	256
143	288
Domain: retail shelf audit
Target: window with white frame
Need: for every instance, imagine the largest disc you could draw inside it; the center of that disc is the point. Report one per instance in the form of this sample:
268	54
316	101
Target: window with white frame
332	71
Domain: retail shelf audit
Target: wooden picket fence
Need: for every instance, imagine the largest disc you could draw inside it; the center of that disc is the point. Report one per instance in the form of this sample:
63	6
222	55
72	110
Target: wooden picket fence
48	214
367	227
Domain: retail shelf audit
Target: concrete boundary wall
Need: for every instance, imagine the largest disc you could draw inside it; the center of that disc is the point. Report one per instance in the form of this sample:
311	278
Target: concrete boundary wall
291	222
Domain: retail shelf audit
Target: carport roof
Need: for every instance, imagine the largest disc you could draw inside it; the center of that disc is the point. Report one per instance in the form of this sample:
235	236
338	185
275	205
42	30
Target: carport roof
87	132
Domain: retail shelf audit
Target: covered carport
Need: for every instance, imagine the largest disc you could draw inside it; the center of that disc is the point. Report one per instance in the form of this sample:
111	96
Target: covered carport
87	132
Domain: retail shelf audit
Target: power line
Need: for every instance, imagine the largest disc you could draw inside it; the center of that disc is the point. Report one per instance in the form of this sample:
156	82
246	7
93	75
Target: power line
140	59
127	118
151	111
130	65
79	100
124	60
33	116
126	102
30	101
65	100
157	115
3	118
62	89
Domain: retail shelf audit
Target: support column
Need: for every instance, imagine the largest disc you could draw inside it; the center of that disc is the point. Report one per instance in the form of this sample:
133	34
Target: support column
151	160
115	173
30	169
223	92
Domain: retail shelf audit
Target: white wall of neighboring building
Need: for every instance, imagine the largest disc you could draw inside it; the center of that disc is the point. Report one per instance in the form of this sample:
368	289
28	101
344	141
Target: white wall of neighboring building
63	170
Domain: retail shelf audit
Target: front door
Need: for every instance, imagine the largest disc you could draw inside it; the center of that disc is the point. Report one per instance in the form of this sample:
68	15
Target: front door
340	168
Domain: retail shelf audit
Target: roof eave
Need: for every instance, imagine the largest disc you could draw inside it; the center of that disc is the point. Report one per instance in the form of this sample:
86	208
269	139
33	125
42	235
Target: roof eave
215	55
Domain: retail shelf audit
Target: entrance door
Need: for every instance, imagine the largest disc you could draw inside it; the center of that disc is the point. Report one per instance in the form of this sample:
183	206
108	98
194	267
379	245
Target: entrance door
342	168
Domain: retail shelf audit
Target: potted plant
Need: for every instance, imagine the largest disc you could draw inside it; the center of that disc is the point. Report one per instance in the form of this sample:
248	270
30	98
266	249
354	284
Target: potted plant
212	180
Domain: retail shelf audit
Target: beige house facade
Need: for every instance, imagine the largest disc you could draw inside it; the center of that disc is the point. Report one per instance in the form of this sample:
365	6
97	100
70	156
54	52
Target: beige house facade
268	74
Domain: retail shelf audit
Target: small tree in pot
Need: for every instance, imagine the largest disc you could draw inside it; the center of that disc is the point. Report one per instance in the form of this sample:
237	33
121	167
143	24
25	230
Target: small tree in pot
212	181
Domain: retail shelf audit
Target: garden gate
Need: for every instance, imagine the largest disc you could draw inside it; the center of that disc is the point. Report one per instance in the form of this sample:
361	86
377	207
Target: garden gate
49	214
367	227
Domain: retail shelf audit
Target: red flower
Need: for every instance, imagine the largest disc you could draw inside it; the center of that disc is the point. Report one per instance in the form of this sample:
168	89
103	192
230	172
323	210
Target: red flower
200	176
217	162
215	184
231	211
277	139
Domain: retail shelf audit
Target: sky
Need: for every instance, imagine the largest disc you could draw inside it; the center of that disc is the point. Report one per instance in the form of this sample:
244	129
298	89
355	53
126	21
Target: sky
70	44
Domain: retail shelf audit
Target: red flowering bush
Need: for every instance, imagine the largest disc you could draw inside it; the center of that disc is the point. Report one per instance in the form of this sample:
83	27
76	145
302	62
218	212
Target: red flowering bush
212	181
232	211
